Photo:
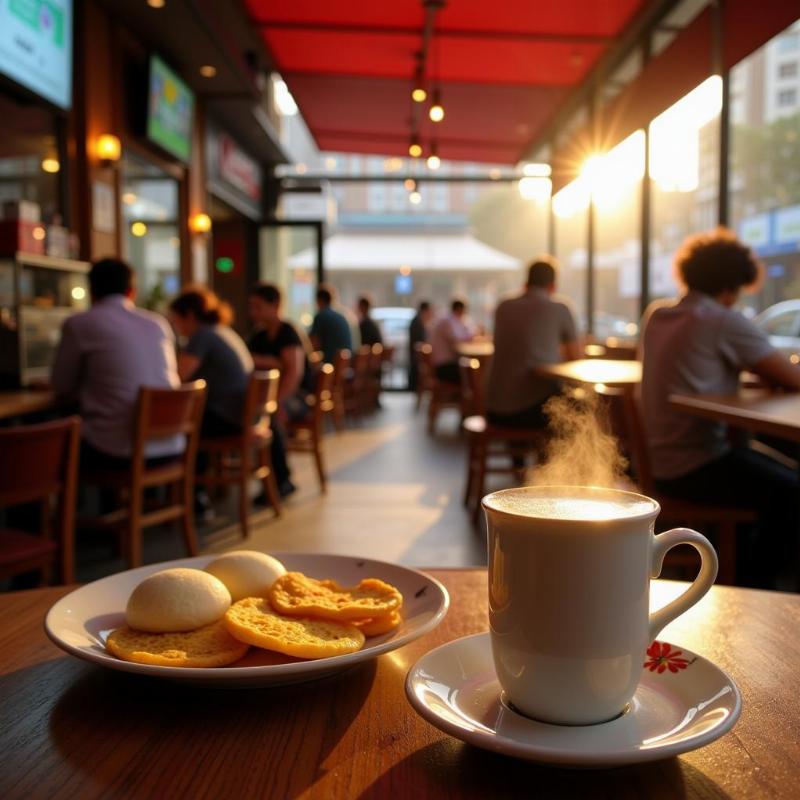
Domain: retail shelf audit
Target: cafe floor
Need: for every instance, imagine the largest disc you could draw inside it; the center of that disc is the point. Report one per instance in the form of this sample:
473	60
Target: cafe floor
394	493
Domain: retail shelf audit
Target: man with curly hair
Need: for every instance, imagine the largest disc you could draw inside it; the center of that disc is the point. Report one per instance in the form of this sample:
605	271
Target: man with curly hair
699	344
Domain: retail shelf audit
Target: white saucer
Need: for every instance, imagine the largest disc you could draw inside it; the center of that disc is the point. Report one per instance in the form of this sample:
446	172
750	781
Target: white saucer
81	621
455	688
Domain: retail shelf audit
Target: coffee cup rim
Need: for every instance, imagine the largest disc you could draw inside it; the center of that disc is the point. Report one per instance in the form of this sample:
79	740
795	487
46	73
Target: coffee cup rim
652	513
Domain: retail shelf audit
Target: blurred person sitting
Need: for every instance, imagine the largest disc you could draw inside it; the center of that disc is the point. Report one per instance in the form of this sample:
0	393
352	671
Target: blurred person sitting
214	352
276	344
330	332
448	332
417	334
698	344
537	327
368	329
105	355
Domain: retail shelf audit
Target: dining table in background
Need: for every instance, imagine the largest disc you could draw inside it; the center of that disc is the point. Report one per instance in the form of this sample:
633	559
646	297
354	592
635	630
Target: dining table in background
591	371
21	402
762	411
482	350
72	729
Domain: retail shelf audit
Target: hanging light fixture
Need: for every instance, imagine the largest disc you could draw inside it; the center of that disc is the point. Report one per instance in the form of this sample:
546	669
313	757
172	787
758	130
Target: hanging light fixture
418	91
436	111
434	162
415	148
410	184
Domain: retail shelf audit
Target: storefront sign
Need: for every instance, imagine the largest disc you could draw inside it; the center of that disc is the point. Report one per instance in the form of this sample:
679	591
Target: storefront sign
754	231
237	168
170	112
787	225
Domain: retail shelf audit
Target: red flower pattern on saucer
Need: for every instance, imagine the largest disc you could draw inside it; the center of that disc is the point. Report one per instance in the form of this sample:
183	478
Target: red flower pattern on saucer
661	657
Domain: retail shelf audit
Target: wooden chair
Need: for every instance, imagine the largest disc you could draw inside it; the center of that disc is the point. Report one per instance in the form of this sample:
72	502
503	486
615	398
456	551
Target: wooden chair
341	373
159	414
38	462
236	460
305	436
674	511
374	375
441	393
487	442
422	354
356	387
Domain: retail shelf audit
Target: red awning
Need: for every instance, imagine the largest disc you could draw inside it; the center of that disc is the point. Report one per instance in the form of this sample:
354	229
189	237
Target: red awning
504	68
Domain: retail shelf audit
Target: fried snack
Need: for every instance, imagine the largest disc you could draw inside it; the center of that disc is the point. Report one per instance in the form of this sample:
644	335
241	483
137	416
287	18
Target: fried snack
298	595
253	620
211	646
379	625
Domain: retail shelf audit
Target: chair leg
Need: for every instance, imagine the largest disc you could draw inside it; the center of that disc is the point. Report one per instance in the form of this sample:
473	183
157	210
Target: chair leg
270	484
323	482
726	553
133	541
480	482
187	520
470	471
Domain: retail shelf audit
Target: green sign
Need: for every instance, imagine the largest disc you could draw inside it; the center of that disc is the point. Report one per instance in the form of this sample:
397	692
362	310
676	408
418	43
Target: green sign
170	111
224	264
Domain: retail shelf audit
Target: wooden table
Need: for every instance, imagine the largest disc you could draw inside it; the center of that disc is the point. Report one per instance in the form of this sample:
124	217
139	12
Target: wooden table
754	410
19	403
74	730
479	350
585	371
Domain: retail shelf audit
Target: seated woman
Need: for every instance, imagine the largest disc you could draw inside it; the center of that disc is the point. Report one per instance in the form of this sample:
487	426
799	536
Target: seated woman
215	353
699	344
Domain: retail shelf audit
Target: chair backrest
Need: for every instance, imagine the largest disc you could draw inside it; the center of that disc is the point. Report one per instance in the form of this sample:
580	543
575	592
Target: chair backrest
37	461
472	377
323	394
261	399
376	357
162	413
631	420
361	361
341	366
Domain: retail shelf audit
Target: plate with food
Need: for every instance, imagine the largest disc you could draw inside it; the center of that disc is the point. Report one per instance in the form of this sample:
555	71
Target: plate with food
246	618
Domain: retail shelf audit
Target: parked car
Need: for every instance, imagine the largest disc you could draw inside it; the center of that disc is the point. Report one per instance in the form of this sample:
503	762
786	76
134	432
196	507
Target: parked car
781	323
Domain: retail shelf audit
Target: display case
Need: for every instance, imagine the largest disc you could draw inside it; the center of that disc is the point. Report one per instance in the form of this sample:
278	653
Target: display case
37	293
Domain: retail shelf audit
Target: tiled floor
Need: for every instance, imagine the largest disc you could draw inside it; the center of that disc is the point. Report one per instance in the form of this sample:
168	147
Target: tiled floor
394	493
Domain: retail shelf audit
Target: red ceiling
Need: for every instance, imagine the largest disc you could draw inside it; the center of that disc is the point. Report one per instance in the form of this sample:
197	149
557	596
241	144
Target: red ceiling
504	67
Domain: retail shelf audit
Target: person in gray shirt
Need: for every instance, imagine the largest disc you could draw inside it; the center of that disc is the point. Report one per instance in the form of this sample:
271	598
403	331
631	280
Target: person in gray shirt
534	328
215	353
698	345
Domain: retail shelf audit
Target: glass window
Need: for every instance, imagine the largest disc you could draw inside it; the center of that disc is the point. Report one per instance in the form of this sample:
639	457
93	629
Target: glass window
765	171
684	170
787	70
150	238
30	167
570	207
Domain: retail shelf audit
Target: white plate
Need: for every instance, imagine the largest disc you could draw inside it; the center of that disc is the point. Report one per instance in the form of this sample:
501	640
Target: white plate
80	622
455	688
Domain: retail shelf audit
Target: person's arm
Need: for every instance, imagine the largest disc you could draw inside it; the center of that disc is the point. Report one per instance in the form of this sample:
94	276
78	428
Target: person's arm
570	348
291	367
65	375
187	365
776	370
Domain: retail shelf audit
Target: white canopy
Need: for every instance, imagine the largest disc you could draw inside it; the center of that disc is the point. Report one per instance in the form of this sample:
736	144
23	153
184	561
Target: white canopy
420	251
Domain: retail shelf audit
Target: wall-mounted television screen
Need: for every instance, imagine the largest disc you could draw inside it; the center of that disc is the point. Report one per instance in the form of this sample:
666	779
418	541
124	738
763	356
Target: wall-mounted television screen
36	47
170	111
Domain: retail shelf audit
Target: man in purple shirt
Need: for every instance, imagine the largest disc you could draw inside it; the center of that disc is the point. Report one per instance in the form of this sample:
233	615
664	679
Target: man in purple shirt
105	355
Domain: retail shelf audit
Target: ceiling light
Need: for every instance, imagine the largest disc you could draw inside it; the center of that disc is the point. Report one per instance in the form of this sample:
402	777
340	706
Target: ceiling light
410	184
434	162
418	94
436	111
51	165
415	198
415	149
138	229
208	70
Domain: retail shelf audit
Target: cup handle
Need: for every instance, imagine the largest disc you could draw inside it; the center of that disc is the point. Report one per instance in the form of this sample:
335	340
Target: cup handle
701	584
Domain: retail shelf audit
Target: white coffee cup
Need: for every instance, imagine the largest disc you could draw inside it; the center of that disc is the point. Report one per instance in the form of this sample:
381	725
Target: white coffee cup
569	592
